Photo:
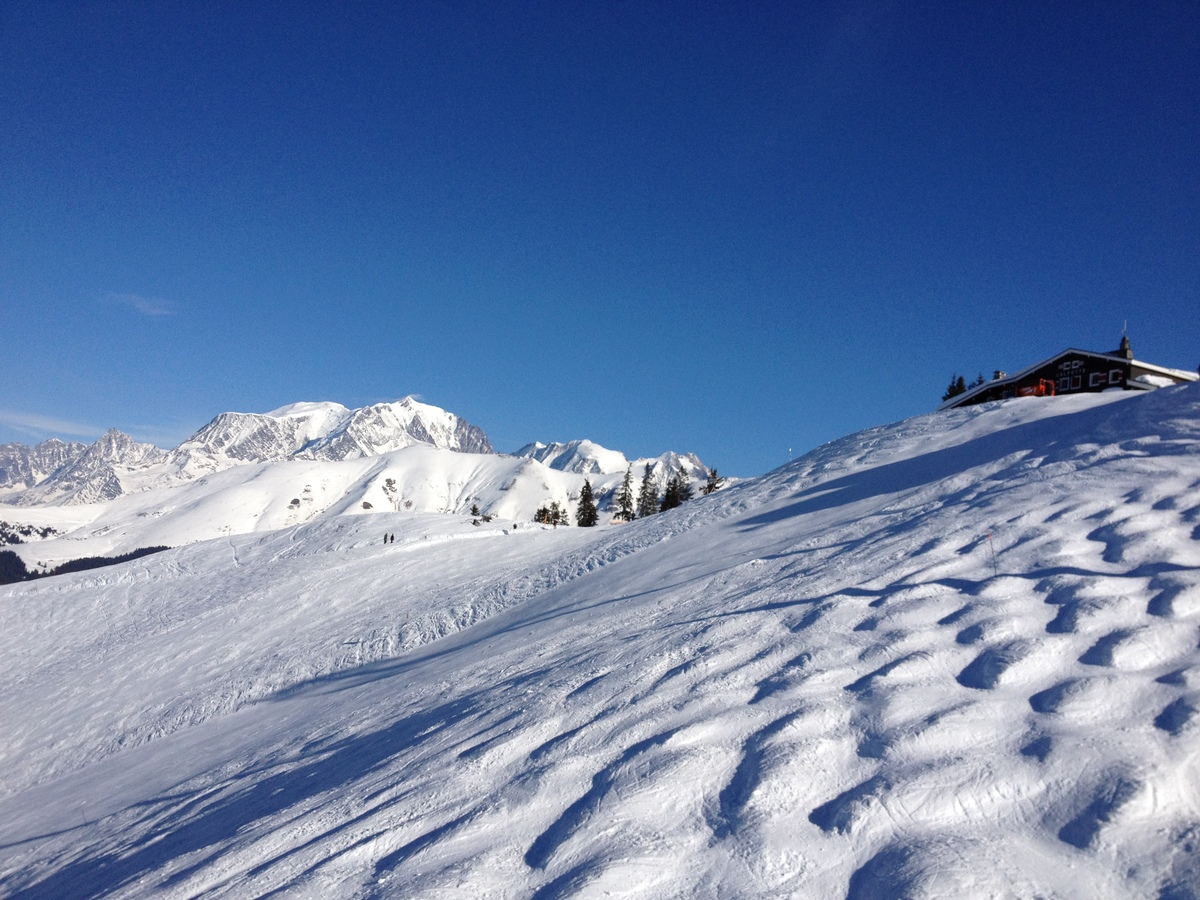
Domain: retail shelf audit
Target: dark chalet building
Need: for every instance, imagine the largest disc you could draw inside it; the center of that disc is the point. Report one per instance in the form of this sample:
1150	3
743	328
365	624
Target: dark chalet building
1073	372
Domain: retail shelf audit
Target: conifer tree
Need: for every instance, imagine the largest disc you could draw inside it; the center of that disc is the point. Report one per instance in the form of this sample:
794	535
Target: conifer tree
647	504
685	486
586	515
670	498
679	490
715	482
624	499
958	385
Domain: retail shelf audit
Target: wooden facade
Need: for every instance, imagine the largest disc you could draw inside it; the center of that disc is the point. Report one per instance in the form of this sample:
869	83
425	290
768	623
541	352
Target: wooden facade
1072	372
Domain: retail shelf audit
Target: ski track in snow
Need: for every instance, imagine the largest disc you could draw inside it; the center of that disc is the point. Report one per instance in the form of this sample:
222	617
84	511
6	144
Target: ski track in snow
957	656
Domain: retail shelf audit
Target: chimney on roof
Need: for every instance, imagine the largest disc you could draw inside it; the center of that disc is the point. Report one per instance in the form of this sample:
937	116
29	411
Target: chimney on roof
1124	350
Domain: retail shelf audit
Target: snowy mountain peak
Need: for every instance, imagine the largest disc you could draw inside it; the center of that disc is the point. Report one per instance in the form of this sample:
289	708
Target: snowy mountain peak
385	427
582	457
327	431
308	409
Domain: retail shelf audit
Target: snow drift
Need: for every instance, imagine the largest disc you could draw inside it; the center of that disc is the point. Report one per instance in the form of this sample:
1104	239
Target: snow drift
956	656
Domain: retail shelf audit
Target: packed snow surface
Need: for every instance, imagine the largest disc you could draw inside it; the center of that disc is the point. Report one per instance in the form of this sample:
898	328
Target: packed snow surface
956	656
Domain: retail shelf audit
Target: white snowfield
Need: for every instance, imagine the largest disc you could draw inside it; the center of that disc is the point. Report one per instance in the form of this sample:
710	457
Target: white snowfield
268	496
952	657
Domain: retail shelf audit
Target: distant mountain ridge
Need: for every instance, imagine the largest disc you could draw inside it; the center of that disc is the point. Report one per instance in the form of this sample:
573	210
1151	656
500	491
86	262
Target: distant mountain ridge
326	431
581	457
23	466
95	475
60	473
585	457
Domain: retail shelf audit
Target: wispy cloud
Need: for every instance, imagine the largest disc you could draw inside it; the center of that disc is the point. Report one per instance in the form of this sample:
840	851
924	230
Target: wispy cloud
147	306
33	424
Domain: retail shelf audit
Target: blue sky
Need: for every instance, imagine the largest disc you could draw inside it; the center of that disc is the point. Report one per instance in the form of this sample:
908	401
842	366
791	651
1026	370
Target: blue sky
732	229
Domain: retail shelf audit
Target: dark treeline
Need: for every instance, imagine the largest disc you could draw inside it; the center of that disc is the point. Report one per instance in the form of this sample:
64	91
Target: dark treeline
12	567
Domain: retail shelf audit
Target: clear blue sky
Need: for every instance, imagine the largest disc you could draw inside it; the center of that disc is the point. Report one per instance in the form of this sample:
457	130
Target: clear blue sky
732	229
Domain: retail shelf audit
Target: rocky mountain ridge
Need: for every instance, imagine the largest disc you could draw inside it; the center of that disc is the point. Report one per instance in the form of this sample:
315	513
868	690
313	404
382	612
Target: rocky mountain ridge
118	465
23	466
58	473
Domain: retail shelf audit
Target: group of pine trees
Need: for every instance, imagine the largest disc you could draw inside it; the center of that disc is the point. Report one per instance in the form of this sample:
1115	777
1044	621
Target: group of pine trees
626	507
586	513
647	503
958	385
554	514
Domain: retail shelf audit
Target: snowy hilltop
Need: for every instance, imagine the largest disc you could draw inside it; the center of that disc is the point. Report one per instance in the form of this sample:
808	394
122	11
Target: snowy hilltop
955	656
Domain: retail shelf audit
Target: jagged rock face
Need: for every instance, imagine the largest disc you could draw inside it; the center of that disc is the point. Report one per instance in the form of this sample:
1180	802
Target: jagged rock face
22	467
95	476
471	438
581	457
117	464
249	437
232	438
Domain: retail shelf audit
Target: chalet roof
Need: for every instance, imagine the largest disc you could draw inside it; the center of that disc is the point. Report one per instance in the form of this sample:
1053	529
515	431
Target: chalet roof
957	399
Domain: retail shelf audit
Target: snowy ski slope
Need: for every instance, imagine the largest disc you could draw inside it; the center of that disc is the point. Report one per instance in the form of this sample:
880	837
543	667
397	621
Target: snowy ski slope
954	656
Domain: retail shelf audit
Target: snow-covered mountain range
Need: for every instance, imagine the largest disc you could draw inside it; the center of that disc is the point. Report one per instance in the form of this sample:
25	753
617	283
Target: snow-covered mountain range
116	464
326	431
246	472
957	656
22	466
581	457
589	458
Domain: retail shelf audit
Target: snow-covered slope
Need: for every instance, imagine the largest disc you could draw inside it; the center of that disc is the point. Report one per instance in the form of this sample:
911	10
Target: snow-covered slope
956	656
259	497
244	497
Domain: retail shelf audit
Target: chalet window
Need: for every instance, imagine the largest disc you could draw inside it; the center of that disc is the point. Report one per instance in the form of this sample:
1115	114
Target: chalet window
1064	384
1076	382
1116	376
1097	379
